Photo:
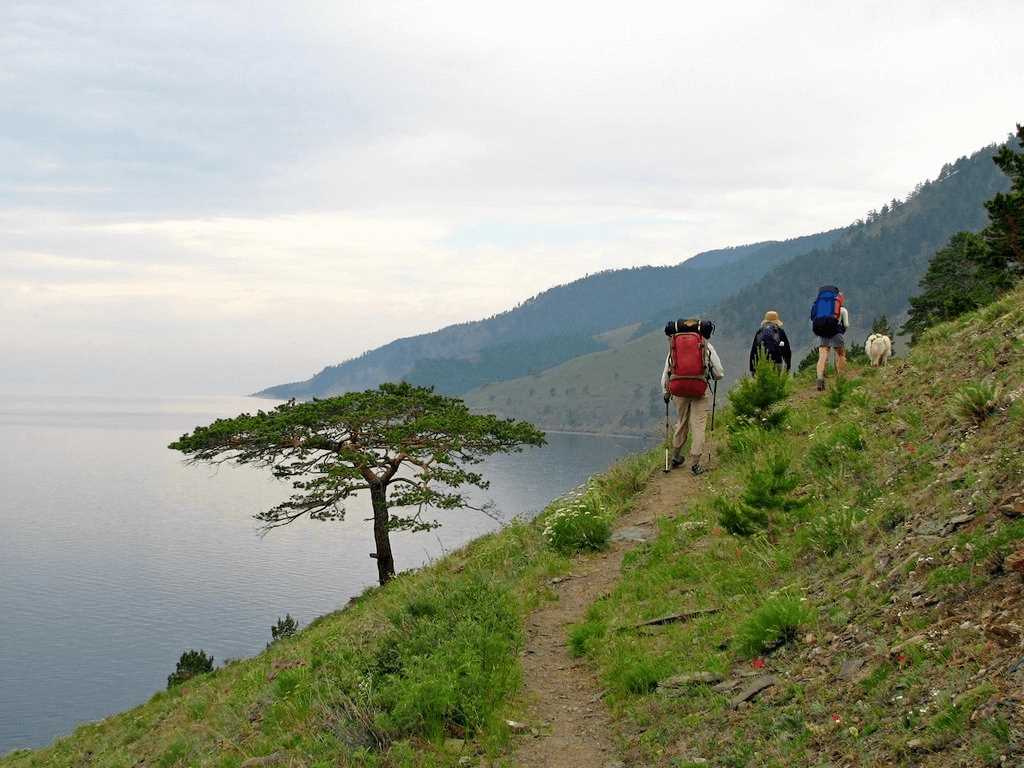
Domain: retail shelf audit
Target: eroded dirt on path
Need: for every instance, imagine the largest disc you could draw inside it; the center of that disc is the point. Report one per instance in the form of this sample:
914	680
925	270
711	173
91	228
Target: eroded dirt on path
566	709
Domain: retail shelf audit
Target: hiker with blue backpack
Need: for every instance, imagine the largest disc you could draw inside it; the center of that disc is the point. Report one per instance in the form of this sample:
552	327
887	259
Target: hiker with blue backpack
829	321
691	366
772	342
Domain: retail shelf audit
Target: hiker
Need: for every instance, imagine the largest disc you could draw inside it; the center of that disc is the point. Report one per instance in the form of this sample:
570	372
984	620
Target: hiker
771	341
829	321
690	363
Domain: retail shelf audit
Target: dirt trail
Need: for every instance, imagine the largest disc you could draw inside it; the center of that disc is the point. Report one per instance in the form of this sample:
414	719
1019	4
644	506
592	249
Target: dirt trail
575	728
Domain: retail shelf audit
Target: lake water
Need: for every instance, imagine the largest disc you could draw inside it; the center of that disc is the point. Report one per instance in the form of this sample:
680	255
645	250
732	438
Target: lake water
115	556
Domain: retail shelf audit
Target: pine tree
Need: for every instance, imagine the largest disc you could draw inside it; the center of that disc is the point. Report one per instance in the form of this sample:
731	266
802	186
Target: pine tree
973	269
1005	232
881	325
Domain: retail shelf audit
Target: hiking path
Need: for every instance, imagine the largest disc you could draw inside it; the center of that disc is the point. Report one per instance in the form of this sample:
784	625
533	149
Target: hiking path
566	710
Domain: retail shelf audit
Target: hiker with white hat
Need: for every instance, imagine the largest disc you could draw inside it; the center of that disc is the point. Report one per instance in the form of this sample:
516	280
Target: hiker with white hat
772	342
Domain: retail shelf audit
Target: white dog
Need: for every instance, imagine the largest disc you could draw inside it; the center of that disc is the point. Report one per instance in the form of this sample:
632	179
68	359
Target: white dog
878	348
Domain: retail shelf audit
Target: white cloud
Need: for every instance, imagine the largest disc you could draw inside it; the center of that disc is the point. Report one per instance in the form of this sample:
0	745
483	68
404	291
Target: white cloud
215	197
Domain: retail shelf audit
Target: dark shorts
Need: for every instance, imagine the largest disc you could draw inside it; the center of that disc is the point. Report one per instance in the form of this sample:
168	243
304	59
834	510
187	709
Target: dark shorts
836	342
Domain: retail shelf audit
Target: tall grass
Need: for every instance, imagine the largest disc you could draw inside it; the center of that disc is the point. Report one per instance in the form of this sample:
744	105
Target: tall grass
775	623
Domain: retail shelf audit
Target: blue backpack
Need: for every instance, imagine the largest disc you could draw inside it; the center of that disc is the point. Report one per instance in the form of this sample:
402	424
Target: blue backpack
826	311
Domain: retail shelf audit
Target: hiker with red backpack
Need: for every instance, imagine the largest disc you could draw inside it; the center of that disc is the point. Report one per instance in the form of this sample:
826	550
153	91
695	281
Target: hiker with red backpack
829	321
772	342
692	363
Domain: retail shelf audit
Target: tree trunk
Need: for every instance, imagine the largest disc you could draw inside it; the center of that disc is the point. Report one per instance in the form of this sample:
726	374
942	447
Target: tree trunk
385	560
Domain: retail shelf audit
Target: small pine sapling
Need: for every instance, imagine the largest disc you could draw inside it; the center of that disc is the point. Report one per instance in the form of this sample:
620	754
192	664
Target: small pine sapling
190	664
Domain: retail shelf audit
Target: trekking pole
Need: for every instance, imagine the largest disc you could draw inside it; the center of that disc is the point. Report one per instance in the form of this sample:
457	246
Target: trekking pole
668	437
714	402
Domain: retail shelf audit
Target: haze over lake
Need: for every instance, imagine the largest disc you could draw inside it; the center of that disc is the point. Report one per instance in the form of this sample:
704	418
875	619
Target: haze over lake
116	556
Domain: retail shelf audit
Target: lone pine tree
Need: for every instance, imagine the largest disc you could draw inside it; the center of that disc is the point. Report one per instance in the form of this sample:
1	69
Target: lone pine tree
408	446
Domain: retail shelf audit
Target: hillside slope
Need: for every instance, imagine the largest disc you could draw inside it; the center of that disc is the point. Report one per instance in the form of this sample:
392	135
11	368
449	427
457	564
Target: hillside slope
554	325
878	264
876	619
870	610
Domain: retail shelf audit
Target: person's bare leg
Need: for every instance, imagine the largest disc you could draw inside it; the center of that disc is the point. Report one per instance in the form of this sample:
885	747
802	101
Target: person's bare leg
840	360
822	364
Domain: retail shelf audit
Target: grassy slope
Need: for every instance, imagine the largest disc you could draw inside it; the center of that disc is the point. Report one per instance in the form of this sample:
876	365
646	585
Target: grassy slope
932	615
419	673
871	559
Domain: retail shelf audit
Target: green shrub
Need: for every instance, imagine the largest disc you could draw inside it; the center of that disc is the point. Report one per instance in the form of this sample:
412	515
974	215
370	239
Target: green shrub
755	400
838	391
583	636
775	623
838	448
770	482
284	628
739	518
834	531
976	402
634	672
578	525
190	664
445	669
625	478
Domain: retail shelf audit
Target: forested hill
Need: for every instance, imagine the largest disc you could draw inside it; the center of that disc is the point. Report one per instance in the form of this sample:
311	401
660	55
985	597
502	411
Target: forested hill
878	264
555	325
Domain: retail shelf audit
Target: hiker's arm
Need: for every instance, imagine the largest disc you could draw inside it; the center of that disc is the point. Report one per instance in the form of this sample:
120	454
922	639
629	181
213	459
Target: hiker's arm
844	319
717	372
664	376
787	353
753	352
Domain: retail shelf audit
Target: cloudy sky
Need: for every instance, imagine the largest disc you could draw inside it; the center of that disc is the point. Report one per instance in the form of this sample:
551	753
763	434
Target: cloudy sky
212	197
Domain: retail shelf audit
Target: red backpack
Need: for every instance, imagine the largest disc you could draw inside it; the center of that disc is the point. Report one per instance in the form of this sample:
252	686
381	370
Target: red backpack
687	354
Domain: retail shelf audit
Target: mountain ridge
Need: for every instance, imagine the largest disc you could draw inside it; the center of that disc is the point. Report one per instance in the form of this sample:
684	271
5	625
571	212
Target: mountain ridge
877	262
588	306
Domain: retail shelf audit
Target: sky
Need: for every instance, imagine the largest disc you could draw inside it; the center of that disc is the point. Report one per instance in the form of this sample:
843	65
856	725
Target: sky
214	197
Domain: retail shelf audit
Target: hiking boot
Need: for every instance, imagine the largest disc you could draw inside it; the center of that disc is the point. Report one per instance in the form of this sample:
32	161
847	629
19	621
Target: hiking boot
821	385
697	469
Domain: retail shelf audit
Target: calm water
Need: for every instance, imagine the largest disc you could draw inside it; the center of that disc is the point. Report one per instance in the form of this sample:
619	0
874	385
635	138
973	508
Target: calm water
115	556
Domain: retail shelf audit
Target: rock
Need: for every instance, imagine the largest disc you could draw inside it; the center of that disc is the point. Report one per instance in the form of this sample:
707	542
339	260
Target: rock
275	758
1012	506
676	683
915	744
851	668
929	528
1007	635
673	618
727	685
956	522
1015	562
753	689
615	764
633	533
517	727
